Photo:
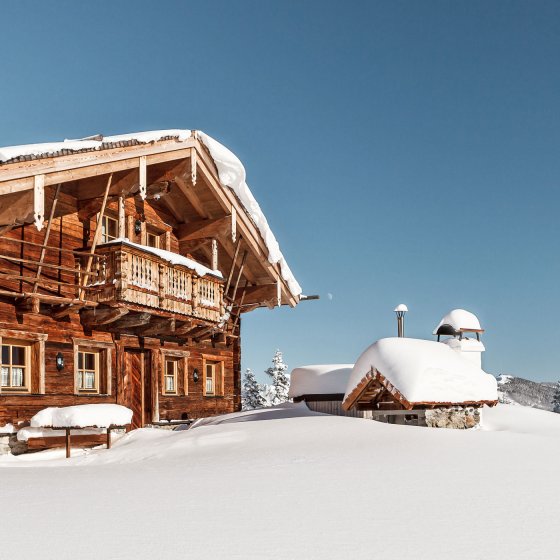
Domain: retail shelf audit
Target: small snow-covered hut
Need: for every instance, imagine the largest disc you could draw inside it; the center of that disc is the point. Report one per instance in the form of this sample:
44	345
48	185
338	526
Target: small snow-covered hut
403	378
322	388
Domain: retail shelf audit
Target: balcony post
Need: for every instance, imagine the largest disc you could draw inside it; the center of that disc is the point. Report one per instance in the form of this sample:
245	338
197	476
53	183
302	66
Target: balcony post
161	286
121	273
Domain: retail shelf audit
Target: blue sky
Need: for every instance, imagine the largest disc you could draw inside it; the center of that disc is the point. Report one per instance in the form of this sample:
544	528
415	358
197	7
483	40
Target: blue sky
402	151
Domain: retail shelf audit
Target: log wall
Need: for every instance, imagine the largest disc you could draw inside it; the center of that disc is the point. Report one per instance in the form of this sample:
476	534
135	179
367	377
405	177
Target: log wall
72	230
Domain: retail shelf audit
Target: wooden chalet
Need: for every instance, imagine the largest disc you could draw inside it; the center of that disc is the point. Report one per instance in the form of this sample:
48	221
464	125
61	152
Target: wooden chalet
125	268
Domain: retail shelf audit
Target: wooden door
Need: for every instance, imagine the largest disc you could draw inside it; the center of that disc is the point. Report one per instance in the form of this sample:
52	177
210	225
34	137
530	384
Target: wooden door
135	383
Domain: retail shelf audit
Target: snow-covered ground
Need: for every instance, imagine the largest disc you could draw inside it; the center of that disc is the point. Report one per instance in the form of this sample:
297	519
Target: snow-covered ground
294	484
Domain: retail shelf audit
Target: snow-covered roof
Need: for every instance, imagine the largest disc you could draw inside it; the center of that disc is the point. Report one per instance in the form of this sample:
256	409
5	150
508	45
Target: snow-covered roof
464	344
423	371
328	379
230	170
459	320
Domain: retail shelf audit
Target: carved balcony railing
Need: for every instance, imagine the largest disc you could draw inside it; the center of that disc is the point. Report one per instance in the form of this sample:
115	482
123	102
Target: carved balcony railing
130	274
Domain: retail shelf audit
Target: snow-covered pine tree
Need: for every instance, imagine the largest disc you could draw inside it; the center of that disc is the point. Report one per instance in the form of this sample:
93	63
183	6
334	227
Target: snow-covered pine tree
251	392
556	399
280	379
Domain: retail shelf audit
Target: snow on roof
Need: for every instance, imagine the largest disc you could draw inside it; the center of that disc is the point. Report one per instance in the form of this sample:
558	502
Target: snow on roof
424	372
460	319
464	344
173	258
230	170
83	415
325	379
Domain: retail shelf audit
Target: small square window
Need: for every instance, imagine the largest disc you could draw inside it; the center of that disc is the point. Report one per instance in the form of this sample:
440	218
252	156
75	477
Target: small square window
152	240
170	377
109	229
15	367
88	371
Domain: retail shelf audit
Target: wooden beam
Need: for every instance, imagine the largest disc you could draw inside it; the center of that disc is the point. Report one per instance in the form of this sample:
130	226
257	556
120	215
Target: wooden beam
258	294
132	320
122	218
96	237
158	326
46	240
143	176
190	195
102	315
39	201
241	267
204	229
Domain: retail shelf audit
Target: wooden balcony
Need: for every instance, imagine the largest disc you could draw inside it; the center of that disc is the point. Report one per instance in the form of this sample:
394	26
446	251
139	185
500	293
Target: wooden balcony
130	274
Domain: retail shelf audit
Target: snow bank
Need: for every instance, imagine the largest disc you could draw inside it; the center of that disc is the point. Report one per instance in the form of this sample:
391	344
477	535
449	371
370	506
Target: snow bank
230	170
284	488
277	412
173	258
319	380
81	416
425	371
460	319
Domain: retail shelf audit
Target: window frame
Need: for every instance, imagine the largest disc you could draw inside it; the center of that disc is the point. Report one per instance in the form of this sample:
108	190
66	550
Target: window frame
175	361
27	366
103	384
105	237
96	352
181	359
156	237
218	376
35	357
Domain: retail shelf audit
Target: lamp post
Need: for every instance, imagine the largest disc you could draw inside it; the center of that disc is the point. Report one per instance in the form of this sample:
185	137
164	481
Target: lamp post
400	310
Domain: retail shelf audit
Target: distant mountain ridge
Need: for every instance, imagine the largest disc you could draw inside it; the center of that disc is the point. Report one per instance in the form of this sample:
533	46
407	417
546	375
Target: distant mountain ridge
516	390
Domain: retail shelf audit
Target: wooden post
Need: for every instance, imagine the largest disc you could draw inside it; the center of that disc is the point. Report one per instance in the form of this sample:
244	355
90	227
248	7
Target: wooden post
96	237
39	201
214	254
109	437
68	443
46	240
122	218
241	266
230	275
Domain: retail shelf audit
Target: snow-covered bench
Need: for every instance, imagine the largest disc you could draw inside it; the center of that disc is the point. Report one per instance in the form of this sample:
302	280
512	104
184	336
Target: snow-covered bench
85	417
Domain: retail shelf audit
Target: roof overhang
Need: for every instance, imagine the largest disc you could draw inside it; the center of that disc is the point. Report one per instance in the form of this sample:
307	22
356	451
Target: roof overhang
26	178
374	385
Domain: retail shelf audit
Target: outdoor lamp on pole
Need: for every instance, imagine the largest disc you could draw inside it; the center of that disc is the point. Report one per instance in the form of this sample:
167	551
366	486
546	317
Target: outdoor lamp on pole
400	310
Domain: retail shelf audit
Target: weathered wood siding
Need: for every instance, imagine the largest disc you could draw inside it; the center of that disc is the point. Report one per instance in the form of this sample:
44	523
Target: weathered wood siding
72	230
335	408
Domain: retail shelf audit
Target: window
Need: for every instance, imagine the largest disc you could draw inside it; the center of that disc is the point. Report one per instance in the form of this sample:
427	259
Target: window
109	229
88	371
170	377
15	367
152	240
93	366
213	378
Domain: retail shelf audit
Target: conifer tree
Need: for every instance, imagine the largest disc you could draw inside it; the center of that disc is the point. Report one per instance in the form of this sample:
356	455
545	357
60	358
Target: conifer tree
280	379
251	392
556	399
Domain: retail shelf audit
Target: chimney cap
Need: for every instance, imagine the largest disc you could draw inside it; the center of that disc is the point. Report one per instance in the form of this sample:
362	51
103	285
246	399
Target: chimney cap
401	307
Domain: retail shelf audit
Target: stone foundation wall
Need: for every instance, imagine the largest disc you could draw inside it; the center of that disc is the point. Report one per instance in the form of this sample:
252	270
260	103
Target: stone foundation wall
457	417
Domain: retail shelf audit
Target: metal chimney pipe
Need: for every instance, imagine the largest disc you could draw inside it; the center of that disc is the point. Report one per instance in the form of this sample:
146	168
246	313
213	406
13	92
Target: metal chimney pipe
400	310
